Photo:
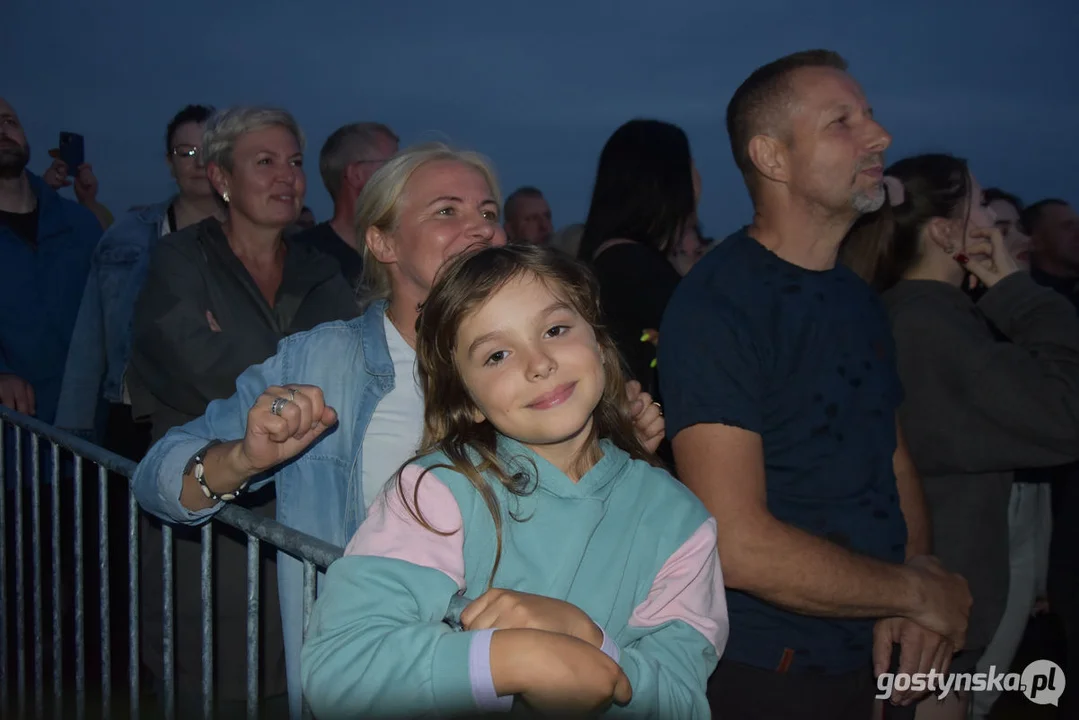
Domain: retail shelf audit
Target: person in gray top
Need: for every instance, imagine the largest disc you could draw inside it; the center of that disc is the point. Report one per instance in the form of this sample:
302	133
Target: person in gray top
218	298
990	386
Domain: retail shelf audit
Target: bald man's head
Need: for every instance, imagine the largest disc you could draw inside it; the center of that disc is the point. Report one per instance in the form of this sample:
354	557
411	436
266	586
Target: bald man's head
14	150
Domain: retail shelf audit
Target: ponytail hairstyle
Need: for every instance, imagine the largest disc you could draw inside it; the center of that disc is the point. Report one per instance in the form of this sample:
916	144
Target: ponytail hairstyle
884	245
463	285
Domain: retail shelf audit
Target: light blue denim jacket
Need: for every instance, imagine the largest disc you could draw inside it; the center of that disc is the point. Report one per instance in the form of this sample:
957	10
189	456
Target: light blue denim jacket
101	343
320	492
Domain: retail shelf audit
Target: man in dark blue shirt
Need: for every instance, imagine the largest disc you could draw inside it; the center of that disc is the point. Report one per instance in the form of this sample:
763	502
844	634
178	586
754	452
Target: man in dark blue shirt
780	385
348	159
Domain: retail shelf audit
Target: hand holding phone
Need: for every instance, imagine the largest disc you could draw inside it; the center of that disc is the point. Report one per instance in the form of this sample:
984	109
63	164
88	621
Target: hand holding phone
71	151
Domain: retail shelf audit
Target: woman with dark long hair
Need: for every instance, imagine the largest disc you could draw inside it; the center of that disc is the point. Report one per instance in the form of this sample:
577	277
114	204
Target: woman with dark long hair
641	224
990	385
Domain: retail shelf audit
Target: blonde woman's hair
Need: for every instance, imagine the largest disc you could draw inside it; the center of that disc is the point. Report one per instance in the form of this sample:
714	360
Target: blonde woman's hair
379	204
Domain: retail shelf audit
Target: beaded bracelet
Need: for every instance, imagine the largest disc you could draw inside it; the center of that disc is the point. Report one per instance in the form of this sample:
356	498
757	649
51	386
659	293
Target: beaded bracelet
199	470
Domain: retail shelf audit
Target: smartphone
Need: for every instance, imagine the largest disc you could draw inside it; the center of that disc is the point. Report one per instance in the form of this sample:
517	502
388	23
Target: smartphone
72	151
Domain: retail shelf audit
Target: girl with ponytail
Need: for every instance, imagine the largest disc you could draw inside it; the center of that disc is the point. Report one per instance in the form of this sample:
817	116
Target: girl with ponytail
990	385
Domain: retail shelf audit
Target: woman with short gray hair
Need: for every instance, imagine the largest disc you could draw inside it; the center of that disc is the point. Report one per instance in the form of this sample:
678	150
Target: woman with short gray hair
225	128
219	296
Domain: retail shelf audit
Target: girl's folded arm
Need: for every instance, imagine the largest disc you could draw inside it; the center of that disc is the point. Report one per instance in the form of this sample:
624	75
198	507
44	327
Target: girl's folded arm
376	643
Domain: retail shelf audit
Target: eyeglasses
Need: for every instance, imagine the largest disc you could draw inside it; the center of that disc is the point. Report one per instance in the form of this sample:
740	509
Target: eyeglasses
184	151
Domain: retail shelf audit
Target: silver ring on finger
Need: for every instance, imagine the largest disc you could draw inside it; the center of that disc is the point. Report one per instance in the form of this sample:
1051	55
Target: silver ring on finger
292	393
277	405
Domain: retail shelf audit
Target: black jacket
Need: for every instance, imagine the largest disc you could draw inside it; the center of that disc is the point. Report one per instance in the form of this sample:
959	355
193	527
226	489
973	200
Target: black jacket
179	362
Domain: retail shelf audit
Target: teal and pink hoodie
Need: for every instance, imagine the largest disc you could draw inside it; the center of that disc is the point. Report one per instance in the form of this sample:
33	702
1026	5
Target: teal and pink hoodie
627	544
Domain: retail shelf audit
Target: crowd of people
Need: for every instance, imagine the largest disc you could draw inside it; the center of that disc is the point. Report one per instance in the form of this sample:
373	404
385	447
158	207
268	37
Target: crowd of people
616	465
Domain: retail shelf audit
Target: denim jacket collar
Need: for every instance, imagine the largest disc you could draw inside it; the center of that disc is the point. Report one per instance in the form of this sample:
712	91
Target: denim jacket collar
152	214
376	349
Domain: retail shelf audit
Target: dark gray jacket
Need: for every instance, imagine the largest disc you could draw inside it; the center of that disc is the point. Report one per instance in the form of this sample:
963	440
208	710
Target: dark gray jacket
179	362
976	408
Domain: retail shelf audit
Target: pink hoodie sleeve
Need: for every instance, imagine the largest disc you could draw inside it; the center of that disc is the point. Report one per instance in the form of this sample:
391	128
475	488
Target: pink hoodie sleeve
391	531
689	587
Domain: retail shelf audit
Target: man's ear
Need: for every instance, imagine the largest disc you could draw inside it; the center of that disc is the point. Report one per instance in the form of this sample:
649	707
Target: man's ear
353	175
769	156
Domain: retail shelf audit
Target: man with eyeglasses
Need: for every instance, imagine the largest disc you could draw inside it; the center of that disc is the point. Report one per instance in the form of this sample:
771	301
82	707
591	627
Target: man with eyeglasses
348	159
101	343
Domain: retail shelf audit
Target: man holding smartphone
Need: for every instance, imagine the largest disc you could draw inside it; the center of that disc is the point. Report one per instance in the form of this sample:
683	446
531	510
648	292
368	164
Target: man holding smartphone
45	246
84	182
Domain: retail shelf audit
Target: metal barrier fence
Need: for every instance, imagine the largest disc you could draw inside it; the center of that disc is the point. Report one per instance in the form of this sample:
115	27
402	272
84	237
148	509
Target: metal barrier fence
23	688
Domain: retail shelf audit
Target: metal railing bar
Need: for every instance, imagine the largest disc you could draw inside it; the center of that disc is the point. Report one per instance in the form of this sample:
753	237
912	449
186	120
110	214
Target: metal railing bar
39	606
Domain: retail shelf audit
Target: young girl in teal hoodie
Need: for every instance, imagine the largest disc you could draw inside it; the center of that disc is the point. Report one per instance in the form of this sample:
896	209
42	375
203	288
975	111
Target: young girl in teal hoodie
533	554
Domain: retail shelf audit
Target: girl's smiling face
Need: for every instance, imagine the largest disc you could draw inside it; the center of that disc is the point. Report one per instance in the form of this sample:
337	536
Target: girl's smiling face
532	367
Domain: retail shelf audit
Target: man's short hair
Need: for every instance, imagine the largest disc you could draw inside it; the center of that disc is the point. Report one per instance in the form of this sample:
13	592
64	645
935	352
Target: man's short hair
758	105
526	191
190	114
347	145
994	194
1031	216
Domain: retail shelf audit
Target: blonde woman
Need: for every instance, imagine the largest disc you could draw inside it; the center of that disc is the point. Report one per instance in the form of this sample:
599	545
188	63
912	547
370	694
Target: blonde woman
342	399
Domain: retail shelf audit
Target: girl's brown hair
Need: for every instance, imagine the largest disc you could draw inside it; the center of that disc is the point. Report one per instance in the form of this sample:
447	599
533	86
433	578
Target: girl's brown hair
463	285
882	246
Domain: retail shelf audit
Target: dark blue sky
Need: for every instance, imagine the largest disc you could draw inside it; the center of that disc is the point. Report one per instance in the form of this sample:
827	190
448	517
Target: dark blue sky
538	87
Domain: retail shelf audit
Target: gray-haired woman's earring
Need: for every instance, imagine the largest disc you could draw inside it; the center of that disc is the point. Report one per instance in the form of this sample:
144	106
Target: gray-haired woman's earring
225	196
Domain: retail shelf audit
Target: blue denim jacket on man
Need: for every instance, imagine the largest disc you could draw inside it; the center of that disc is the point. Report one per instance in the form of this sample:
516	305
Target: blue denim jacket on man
320	492
101	341
41	291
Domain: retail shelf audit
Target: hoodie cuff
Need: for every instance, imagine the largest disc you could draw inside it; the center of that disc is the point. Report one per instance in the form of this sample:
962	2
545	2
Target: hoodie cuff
479	672
610	647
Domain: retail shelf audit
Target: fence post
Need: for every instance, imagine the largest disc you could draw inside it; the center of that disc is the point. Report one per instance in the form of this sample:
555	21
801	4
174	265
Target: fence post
20	577
80	599
57	616
133	603
35	540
